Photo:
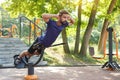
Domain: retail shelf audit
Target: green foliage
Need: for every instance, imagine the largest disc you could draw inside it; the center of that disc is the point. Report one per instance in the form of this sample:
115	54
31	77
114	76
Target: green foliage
5	33
70	59
34	8
94	37
6	20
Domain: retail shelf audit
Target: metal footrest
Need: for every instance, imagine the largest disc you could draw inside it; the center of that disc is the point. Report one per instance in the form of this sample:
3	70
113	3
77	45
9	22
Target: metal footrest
111	66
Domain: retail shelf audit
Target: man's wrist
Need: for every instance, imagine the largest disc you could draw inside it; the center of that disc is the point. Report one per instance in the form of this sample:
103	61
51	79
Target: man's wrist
54	15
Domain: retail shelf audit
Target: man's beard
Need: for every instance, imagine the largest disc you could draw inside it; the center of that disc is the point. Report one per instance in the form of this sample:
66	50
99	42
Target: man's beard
63	22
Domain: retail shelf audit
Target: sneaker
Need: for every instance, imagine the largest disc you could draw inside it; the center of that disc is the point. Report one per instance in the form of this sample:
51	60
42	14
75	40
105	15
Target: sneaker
17	60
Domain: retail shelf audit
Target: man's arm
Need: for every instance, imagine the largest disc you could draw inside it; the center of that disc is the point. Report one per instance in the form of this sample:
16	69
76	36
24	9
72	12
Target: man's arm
47	16
71	20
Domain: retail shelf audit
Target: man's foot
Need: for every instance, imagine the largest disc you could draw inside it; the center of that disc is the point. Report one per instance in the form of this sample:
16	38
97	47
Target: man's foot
17	59
19	62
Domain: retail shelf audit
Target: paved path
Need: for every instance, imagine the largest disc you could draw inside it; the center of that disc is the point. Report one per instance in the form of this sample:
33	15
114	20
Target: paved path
62	73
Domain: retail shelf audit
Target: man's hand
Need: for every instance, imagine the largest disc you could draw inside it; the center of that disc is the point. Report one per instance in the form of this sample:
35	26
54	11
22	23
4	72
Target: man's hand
71	20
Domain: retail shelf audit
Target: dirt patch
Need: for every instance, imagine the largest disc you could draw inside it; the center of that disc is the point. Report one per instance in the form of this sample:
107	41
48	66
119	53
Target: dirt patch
63	59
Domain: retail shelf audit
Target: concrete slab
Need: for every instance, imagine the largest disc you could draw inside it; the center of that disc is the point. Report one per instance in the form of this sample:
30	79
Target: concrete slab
61	73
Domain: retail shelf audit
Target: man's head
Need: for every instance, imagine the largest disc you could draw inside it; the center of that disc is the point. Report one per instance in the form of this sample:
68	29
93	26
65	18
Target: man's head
63	16
61	12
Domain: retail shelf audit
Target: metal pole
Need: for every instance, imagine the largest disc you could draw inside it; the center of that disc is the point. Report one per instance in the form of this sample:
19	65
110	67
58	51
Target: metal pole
110	30
30	69
31	75
110	65
34	29
20	26
30	33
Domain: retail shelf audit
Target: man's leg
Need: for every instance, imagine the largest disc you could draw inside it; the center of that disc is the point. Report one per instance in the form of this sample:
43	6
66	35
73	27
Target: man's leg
28	53
21	55
25	53
39	50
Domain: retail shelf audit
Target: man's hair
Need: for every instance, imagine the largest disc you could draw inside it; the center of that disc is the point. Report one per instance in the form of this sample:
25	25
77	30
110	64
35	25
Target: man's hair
61	12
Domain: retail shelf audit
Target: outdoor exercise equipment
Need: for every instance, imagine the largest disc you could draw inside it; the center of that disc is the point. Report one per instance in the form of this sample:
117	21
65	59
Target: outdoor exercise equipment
116	42
34	59
11	31
25	62
91	49
30	75
21	64
110	64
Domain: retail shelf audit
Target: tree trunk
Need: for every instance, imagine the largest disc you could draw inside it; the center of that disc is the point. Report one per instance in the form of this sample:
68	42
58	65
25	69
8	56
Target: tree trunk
88	31
64	38
105	26
77	41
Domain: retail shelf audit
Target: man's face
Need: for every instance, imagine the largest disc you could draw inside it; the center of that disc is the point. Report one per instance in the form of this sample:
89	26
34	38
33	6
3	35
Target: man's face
64	18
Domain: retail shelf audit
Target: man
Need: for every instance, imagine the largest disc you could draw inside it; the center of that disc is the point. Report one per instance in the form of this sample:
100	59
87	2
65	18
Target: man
53	30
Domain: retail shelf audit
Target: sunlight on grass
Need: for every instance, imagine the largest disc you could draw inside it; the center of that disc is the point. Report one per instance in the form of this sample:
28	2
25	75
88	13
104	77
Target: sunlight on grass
56	56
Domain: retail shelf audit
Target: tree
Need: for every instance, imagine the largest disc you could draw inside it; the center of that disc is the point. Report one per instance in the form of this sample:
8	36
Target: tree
64	38
34	8
29	8
88	30
105	25
77	40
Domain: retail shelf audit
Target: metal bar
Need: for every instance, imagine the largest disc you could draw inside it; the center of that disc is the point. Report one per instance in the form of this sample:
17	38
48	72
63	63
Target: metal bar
32	22
57	44
20	28
30	69
34	29
110	30
30	33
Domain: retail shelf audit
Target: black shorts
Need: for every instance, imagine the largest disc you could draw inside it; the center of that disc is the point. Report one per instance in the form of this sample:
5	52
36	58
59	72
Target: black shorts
36	46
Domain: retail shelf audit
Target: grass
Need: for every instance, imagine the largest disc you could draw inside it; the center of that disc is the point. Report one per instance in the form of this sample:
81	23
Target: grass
56	56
